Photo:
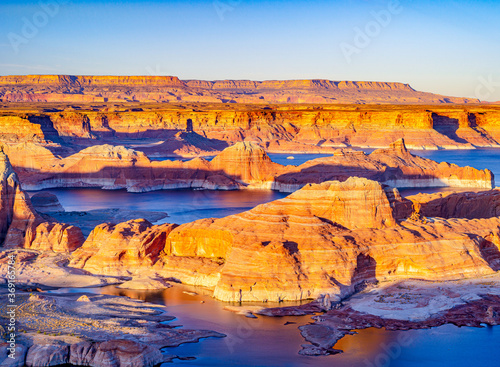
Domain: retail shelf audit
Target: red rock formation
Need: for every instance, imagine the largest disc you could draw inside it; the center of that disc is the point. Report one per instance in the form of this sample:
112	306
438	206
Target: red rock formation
246	162
17	217
247	165
29	156
324	239
122	248
485	204
289	128
69	88
56	237
21	225
45	202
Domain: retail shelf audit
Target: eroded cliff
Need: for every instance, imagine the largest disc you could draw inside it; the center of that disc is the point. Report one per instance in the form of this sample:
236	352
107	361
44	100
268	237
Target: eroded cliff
163	130
71	88
22	226
328	238
244	165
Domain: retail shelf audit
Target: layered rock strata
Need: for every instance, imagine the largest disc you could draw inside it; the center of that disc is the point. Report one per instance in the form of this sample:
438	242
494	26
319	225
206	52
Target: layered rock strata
193	129
130	246
74	89
329	238
22	226
247	165
483	204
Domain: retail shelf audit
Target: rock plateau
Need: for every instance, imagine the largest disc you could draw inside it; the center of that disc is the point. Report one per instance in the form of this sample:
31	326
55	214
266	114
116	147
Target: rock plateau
78	89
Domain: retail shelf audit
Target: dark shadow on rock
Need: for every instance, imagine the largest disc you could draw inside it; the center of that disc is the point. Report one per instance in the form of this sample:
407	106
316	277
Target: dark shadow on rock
447	126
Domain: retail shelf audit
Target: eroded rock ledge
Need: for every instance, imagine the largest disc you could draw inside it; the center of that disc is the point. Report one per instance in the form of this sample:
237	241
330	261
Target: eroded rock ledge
244	165
330	238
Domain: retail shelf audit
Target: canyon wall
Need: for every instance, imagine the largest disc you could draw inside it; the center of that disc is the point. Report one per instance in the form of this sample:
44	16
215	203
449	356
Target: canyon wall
22	226
184	130
483	204
78	89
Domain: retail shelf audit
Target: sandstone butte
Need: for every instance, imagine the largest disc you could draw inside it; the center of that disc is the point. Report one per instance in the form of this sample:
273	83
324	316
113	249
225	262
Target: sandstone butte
22	226
483	204
71	89
244	165
194	129
328	238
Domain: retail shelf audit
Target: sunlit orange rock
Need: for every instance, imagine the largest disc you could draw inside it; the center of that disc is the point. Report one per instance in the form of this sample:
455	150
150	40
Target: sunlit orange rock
122	248
246	165
328	238
70	88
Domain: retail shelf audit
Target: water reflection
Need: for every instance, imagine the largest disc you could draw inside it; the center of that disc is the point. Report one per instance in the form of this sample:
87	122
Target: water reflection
182	206
267	341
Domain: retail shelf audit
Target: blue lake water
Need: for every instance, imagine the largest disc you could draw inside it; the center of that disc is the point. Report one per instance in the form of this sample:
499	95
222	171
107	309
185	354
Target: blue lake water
182	206
267	341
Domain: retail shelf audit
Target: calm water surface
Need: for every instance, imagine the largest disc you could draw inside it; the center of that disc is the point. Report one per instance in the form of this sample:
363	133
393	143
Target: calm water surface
267	341
182	206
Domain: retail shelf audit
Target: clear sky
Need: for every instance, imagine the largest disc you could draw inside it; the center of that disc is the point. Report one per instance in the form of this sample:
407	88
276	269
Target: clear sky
447	47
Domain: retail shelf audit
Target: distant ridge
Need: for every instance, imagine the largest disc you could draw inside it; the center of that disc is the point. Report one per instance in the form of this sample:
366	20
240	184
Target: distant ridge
81	89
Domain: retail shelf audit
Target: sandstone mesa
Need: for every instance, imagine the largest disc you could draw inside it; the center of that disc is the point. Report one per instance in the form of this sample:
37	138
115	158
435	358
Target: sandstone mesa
71	88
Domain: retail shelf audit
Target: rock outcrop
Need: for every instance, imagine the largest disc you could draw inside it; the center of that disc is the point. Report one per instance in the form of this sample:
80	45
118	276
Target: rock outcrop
47	355
18	219
113	353
394	166
183	129
246	164
56	237
45	202
329	238
483	204
22	226
123	248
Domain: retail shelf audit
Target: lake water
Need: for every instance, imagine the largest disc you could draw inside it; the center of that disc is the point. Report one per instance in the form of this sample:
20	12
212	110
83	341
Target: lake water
267	341
182	206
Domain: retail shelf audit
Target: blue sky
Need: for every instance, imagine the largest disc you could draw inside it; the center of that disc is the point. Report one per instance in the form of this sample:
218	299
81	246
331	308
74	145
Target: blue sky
448	47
